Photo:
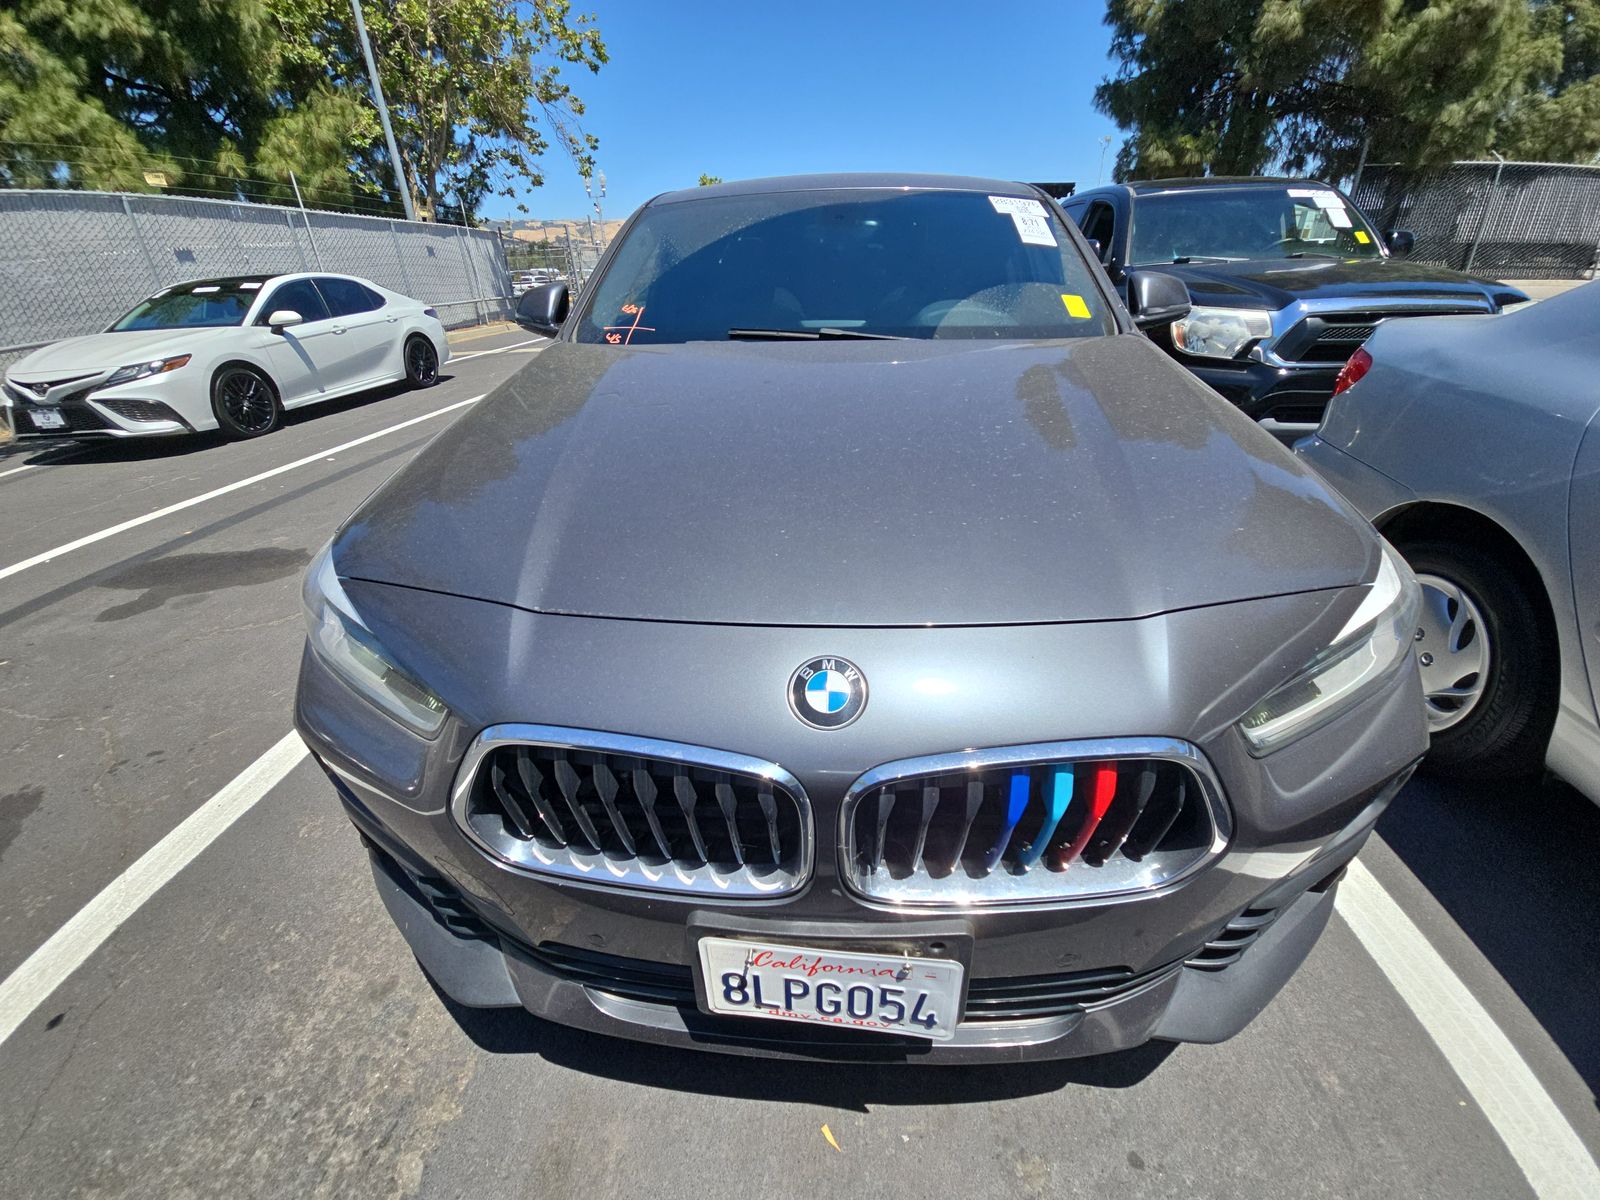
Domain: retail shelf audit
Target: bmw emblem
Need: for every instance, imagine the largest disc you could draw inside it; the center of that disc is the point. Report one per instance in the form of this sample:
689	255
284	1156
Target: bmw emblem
828	693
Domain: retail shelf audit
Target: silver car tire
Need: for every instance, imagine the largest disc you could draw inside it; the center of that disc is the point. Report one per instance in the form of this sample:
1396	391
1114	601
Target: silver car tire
1488	662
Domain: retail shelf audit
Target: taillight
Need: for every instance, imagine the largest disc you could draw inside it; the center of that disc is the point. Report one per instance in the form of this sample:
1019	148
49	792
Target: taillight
1350	374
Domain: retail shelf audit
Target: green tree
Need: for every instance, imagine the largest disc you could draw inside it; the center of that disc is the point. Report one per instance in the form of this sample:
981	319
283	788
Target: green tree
462	79
232	95
1557	118
1238	86
708	180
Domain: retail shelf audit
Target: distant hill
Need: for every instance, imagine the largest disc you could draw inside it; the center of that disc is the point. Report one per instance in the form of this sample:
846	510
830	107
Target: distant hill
553	230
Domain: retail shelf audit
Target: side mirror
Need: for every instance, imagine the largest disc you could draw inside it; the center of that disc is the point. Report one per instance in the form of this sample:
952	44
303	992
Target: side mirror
1096	248
543	307
282	318
1156	298
1401	242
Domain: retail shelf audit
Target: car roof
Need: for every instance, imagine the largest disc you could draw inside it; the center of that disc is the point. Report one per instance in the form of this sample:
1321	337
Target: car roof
229	282
847	180
1219	181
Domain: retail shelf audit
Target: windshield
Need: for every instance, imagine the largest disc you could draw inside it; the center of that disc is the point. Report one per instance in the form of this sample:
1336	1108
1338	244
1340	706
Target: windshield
855	263
1233	224
193	306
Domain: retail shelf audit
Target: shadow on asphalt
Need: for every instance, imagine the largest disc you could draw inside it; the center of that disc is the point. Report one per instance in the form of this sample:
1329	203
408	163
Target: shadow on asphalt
108	450
1514	864
855	1086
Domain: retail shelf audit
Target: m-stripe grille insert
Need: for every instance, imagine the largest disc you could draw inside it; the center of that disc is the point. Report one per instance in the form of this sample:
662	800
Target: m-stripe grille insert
1026	824
634	812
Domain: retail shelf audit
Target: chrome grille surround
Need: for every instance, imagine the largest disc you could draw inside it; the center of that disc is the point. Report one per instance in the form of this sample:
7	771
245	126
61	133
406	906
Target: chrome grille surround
1116	876
588	849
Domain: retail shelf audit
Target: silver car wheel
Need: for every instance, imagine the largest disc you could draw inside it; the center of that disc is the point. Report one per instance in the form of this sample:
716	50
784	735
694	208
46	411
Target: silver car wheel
1452	650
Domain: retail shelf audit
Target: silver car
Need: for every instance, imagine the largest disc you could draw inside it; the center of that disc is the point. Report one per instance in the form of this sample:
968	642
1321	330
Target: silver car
1474	447
852	638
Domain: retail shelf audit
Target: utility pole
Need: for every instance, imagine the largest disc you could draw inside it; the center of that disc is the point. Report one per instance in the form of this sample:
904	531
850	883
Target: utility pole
306	217
599	217
1105	144
383	112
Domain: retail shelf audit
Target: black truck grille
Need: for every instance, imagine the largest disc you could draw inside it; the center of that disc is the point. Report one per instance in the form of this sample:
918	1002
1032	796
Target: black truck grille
635	813
1334	337
1032	823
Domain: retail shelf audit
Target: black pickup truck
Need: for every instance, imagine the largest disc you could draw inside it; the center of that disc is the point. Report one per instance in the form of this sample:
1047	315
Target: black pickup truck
1287	279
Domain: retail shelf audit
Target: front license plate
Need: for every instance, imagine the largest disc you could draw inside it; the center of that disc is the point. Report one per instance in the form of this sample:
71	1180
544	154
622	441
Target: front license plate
47	418
890	993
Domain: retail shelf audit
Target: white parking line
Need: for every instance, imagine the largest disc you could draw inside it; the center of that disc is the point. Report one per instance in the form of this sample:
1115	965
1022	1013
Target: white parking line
497	350
1541	1140
70	946
17	568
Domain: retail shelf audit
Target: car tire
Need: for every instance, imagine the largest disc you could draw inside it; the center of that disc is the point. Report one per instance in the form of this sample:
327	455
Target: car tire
1478	610
245	402
422	362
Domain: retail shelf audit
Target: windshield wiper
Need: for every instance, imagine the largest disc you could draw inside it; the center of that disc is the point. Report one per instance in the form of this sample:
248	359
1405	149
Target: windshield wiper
1202	258
811	335
1310	254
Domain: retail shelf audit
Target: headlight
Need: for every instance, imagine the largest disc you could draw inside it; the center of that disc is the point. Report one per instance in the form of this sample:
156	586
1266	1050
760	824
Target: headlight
1220	332
1373	641
347	646
156	366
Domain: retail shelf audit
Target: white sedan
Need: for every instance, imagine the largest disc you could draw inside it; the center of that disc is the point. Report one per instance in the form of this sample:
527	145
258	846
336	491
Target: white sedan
229	354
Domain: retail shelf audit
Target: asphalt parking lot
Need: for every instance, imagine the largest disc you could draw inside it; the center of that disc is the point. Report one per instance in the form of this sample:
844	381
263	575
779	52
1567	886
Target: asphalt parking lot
237	1016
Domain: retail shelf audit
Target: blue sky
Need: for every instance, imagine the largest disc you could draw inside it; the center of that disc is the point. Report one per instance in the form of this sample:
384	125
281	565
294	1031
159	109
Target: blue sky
748	89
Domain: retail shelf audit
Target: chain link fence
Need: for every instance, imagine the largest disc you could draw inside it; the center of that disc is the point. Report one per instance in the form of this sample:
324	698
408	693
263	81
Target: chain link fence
1512	220
574	261
72	262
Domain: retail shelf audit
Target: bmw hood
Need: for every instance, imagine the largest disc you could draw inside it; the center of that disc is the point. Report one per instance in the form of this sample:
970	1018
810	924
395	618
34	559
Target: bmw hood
106	351
1279	282
856	483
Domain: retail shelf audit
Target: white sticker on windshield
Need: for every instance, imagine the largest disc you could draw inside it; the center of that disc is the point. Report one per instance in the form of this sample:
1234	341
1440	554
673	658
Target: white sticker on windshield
1016	204
1338	218
1303	193
1327	200
1033	228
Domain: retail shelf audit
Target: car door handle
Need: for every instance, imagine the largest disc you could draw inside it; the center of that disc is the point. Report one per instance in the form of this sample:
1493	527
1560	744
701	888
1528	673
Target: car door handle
338	328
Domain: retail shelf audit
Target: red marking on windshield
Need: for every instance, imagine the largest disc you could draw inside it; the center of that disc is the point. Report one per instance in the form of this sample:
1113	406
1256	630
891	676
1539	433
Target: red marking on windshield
624	333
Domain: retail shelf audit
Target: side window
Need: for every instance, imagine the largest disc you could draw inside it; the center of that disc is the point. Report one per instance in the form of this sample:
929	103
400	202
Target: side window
375	301
299	295
1100	225
347	297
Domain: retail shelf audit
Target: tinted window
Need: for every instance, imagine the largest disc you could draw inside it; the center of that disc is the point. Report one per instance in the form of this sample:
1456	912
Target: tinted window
298	295
1233	224
1101	226
920	264
346	296
193	306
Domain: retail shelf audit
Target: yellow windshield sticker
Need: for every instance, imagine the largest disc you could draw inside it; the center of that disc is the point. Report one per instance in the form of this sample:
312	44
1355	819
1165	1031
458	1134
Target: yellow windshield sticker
1075	306
1362	238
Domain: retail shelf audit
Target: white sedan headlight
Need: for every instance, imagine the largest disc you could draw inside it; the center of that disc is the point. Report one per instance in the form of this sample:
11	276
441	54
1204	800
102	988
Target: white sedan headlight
1220	332
156	366
341	640
1375	639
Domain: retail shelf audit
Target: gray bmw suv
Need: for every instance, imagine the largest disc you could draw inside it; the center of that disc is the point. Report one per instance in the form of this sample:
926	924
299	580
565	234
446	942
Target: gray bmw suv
852	638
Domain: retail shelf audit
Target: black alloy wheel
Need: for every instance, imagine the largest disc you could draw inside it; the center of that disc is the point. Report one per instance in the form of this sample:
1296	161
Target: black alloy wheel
422	362
245	402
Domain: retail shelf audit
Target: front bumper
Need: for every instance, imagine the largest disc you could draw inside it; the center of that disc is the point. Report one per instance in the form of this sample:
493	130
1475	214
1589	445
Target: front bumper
1287	401
81	417
620	962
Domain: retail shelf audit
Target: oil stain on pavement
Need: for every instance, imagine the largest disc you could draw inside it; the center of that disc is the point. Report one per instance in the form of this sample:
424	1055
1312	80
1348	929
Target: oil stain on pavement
15	808
198	573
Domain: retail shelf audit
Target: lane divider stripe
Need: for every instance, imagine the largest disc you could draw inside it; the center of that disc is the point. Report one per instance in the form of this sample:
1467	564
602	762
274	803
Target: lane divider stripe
1539	1137
133	523
31	984
496	350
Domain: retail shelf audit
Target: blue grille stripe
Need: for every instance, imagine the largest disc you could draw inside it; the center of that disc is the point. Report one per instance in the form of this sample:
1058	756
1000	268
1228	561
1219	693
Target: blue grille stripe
1016	805
1060	799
